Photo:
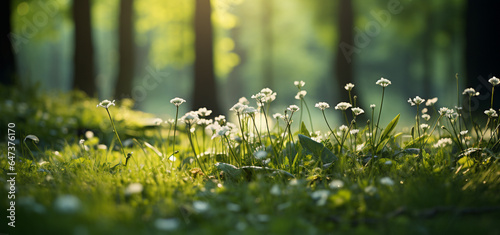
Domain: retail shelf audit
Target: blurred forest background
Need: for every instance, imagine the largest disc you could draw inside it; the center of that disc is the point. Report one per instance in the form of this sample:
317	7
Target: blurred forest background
213	52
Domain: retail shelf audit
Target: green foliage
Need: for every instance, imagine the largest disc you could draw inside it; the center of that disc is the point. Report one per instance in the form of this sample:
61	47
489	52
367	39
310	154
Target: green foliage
246	178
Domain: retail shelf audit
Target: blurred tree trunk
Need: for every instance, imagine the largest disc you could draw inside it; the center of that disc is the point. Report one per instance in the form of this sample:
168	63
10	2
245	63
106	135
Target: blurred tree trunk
7	63
205	92
235	81
482	48
83	71
344	67
267	43
123	88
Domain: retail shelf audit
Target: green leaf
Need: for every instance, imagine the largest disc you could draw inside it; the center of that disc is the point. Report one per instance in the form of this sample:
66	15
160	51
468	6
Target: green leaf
317	149
304	131
327	156
311	145
389	128
231	171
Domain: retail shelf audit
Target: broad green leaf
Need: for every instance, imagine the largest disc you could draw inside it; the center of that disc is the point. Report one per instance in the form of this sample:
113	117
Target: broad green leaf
303	130
327	156
389	128
232	171
311	145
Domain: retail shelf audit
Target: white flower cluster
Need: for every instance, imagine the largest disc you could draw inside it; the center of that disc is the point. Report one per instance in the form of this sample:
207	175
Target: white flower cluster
177	101
443	142
491	113
349	86
416	101
470	91
265	95
299	84
494	81
322	105
343	106
383	82
431	102
106	103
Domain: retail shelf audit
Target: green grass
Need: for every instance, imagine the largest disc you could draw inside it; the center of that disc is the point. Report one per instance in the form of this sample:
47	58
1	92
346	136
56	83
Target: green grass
254	177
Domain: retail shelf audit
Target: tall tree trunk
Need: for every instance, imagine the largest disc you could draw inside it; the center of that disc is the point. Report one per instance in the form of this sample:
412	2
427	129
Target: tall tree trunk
482	49
124	82
344	71
7	63
205	89
84	74
267	42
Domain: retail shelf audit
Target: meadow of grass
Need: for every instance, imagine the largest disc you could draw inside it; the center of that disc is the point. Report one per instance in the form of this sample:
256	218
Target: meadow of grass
83	169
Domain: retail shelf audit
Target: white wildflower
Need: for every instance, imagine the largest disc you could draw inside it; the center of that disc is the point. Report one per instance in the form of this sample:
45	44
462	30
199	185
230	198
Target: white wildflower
343	106
491	113
222	131
106	103
349	86
426	117
200	206
416	101
293	108
238	108
278	116
204	112
320	196
335	184
249	110
371	190
177	101
275	190
471	92
243	100
387	181
300	95
372	106
494	81
383	82
443	142
299	84
322	105
431	102
67	204
357	111
133	188
190	118
167	224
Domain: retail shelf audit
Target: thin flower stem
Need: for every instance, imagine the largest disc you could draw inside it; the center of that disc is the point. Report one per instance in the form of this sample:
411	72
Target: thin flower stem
116	133
269	133
492	92
331	131
309	113
194	150
379	112
256	130
231	150
243	137
175	128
